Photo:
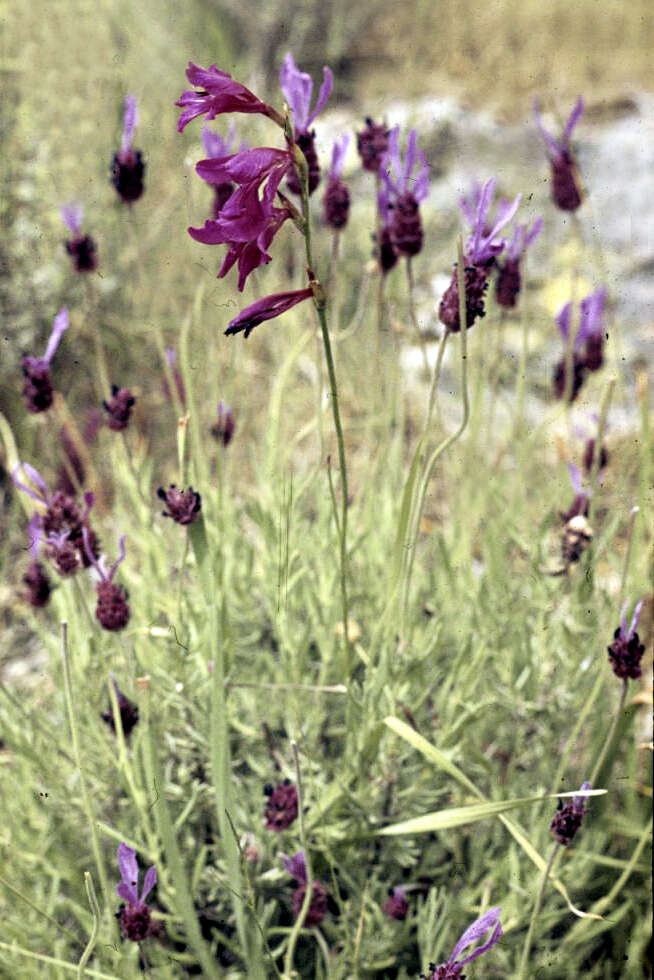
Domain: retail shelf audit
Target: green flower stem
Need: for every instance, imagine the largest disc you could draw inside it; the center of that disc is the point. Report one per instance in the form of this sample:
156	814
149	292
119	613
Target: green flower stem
62	964
320	304
297	925
601	429
86	798
610	735
95	909
524	962
433	392
412	313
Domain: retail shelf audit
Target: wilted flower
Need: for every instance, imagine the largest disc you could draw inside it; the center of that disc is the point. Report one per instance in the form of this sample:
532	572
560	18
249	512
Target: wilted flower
405	191
372	144
282	806
297	87
396	905
182	505
39	587
297	867
112	610
626	651
509	279
38	390
81	248
225	424
566	190
127	166
219	93
266	308
568	818
119	408
452	969
135	918
481	251
336	202
129	712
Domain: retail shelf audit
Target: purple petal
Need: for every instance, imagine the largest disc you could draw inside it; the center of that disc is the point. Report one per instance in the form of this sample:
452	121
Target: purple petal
506	213
563	320
575	478
214	145
421	183
297	88
592	311
475	932
72	216
323	94
34	532
339	152
297	866
129	872
121	557
635	618
130	121
534	232
410	155
88	550
575	116
61	323
149	882
35	477
553	145
579	802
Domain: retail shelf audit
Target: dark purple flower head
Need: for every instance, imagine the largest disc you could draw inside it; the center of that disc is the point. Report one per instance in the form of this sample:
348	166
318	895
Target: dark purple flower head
218	93
266	308
509	279
112	610
119	408
588	350
626	651
385	251
568	818
129	712
127	166
61	550
336	202
451	970
38	390
396	905
135	918
183	506
225	424
566	189
282	806
405	192
372	144
81	248
297	868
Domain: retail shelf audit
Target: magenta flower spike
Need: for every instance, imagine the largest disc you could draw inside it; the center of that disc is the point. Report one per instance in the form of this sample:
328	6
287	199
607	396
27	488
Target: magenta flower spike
626	651
38	390
127	166
566	189
336	202
135	919
217	93
297	87
451	970
266	308
81	248
112	610
297	868
405	191
509	274
568	818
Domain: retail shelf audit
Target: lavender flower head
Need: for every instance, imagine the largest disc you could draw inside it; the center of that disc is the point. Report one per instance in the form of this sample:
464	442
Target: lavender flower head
112	610
372	144
127	166
119	408
129	712
566	190
282	806
385	252
396	905
588	347
405	191
568	818
451	970
183	506
135	919
38	390
297	87
81	248
297	868
225	424
509	276
626	651
481	250
336	202
39	587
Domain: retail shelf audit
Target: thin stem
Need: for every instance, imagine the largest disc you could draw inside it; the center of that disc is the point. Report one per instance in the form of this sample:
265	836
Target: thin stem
608	741
95	910
88	806
413	315
297	925
534	914
61	964
433	393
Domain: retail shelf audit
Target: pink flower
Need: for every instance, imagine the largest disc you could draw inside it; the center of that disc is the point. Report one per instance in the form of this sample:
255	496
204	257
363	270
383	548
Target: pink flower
218	93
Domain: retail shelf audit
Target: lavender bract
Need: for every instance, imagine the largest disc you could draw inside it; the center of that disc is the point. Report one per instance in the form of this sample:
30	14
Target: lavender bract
297	87
568	818
626	651
127	166
135	918
112	609
81	248
566	186
38	390
451	970
405	191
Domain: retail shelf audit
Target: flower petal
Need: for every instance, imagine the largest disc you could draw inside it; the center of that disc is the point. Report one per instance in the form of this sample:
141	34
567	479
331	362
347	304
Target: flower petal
266	308
129	871
323	94
297	866
35	477
475	932
61	323
149	882
575	116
